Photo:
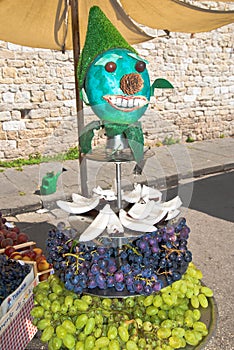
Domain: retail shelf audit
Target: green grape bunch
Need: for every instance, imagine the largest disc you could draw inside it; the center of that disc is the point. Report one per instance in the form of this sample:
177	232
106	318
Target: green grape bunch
168	320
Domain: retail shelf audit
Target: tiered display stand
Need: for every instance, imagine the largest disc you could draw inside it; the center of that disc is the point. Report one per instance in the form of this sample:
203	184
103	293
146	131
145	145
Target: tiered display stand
118	158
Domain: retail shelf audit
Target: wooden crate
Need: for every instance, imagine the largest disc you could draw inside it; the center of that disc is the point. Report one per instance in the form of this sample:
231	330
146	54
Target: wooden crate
21	247
25	246
35	269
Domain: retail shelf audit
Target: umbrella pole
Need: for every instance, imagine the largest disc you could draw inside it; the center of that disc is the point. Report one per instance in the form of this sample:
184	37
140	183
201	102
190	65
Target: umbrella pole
79	104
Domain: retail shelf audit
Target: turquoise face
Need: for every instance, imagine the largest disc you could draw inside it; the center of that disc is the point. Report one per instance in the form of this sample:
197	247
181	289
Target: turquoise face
117	86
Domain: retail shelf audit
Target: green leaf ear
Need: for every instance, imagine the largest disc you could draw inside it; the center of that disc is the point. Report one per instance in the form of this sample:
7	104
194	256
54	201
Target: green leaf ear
160	84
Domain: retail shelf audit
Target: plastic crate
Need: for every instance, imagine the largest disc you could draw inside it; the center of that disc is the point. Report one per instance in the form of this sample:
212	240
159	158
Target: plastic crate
11	299
16	328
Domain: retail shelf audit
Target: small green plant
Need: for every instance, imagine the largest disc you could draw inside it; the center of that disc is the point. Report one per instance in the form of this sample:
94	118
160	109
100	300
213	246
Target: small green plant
37	158
22	193
72	153
190	139
169	141
156	143
222	136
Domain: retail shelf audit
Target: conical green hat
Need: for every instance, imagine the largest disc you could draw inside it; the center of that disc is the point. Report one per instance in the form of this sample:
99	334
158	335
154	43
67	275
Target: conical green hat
101	36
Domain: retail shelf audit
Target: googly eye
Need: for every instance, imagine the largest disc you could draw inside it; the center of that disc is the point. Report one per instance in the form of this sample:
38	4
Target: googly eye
110	67
140	66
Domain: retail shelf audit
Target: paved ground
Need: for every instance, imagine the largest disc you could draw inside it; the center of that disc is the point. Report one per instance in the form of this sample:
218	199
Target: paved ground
201	173
20	190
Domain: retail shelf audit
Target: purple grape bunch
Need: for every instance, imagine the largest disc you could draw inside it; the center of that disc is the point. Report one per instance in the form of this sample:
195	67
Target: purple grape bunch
143	266
12	274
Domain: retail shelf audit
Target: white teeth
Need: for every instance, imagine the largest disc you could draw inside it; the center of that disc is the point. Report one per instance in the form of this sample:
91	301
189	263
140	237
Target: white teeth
130	103
136	103
124	103
119	101
141	103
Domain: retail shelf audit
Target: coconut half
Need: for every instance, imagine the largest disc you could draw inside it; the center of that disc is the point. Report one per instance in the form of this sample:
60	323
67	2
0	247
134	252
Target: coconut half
108	195
133	196
134	224
141	210
79	205
97	226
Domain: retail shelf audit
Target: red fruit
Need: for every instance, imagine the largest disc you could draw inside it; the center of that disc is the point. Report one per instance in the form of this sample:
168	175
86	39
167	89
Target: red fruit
1	237
40	258
22	238
38	251
30	254
25	253
6	241
26	258
16	229
43	265
9	250
4	232
12	235
16	256
44	277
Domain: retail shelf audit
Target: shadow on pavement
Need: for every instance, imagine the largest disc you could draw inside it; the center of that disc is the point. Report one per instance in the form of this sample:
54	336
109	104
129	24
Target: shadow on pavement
213	195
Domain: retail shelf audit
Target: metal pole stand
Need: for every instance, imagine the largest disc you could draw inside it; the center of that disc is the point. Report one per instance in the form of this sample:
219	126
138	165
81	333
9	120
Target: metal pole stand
118	184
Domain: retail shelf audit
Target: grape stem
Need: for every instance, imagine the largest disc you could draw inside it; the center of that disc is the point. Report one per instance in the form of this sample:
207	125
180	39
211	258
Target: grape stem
163	272
133	249
171	250
147	280
74	255
77	259
128	322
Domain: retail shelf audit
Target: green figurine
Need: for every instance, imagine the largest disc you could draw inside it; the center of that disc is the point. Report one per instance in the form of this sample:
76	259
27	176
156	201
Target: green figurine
114	81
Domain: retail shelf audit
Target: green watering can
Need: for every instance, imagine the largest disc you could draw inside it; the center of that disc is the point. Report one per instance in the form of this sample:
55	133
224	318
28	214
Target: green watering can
49	182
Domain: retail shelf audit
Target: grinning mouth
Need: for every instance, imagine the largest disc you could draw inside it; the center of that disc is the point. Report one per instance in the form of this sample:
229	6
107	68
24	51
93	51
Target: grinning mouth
126	103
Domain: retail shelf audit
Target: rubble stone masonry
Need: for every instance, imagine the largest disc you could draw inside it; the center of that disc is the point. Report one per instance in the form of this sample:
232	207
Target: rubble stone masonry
37	93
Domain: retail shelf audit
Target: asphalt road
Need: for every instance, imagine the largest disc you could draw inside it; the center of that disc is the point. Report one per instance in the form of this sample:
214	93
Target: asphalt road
210	215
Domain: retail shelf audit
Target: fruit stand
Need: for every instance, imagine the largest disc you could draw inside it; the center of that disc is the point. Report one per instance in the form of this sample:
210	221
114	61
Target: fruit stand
126	281
123	291
22	266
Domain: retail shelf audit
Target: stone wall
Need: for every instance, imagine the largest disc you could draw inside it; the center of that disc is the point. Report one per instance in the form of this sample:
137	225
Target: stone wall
37	111
37	93
202	71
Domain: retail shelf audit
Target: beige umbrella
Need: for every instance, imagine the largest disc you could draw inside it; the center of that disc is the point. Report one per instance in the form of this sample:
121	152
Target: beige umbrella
61	25
176	16
48	23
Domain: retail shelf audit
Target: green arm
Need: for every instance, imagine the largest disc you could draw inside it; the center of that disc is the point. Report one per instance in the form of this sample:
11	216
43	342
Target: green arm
135	138
134	135
160	84
87	135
